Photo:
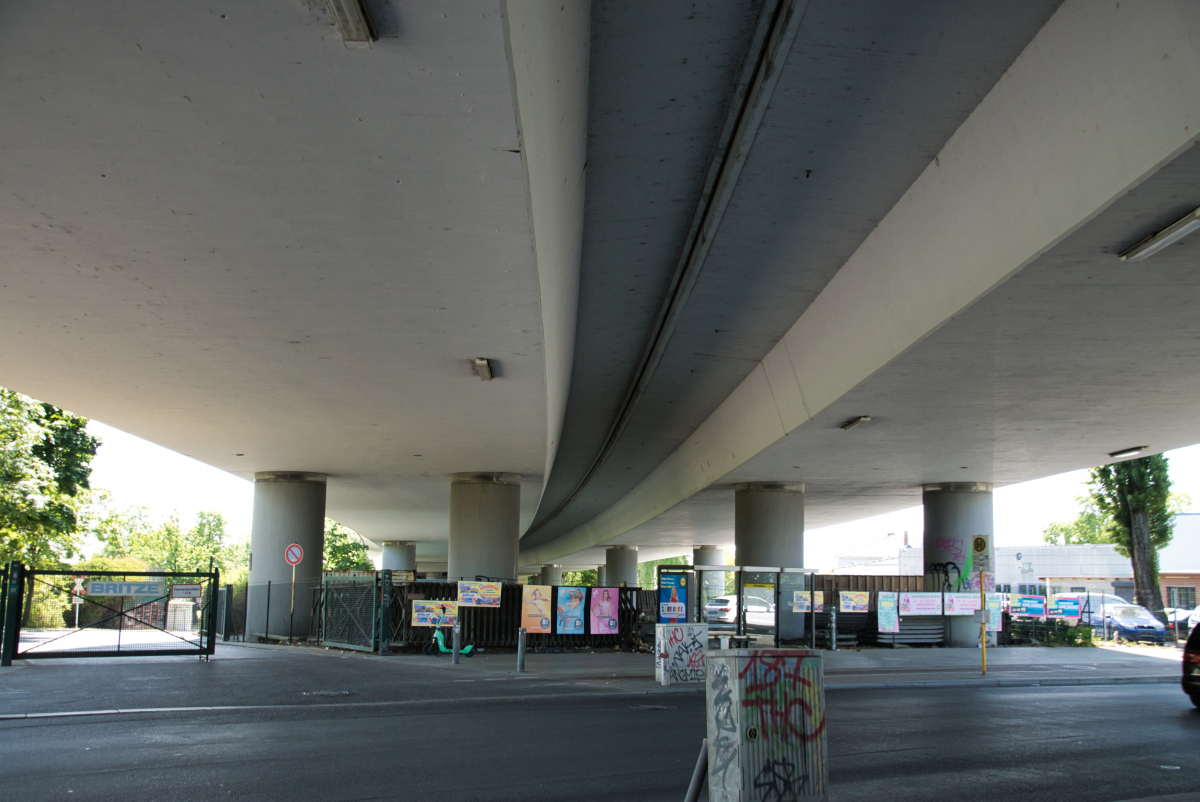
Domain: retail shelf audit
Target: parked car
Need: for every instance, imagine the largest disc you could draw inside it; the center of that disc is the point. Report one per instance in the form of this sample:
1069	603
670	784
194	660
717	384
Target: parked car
721	612
1127	621
1191	667
1194	619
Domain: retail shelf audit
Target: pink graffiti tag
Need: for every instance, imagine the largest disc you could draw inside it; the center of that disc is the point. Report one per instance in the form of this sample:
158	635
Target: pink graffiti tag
953	548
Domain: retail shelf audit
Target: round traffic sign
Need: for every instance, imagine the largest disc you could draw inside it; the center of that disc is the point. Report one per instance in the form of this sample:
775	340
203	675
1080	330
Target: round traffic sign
293	554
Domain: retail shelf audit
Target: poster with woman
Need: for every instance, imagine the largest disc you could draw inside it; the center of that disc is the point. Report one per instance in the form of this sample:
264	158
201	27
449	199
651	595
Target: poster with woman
535	608
603	607
570	609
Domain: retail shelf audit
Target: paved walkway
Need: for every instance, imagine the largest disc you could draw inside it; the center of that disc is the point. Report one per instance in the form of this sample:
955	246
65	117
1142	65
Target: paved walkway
256	675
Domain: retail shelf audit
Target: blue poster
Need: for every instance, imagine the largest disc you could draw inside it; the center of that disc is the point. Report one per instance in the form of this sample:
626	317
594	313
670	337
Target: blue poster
672	599
570	611
1064	608
1027	605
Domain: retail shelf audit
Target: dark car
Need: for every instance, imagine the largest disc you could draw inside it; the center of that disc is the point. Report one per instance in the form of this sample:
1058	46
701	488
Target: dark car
1191	667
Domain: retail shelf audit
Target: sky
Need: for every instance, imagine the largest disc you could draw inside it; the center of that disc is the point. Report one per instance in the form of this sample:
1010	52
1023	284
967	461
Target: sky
139	473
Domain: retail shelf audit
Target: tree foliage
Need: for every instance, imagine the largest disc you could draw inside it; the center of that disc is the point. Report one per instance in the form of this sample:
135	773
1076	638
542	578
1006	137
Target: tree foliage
586	578
646	572
132	534
345	549
45	461
1134	498
1088	527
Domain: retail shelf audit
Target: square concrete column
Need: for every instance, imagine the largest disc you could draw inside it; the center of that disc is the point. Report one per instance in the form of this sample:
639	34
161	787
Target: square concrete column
399	556
485	521
289	507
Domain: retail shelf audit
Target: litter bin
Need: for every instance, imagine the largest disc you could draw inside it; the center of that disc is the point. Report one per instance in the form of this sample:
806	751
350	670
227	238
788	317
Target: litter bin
766	725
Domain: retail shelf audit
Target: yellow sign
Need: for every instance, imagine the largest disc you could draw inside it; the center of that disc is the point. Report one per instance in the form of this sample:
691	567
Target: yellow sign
434	613
854	601
479	594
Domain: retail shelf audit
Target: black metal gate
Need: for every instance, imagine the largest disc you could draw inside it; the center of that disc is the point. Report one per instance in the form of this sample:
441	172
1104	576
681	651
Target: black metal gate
107	613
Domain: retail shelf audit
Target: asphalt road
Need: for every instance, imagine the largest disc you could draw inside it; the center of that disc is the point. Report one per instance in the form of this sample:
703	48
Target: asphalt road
1079	743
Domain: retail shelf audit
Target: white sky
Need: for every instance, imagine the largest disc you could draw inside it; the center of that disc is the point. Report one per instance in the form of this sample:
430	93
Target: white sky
138	472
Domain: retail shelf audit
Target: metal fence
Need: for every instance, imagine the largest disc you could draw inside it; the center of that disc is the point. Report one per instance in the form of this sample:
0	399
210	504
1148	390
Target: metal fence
282	611
106	613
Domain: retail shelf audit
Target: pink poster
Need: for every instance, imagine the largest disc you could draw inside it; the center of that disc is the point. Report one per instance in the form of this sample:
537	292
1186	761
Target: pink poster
603	610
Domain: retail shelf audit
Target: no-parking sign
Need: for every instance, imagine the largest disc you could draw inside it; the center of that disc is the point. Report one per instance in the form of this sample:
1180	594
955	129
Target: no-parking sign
293	554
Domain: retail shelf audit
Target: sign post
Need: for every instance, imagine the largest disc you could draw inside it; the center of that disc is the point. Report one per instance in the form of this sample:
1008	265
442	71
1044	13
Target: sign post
293	554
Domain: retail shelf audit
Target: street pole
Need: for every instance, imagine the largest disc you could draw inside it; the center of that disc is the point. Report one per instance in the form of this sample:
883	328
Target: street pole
454	647
983	621
292	610
521	650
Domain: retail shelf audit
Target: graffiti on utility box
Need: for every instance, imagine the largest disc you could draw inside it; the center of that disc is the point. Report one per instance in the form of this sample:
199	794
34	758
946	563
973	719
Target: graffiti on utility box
766	725
679	653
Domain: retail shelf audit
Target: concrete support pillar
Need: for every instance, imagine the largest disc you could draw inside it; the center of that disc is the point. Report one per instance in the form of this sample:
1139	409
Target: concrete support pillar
714	583
289	507
485	522
621	566
768	524
399	556
955	514
601	576
551	575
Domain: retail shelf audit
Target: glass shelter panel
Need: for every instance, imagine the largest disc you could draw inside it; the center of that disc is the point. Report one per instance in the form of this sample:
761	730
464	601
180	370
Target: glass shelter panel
758	599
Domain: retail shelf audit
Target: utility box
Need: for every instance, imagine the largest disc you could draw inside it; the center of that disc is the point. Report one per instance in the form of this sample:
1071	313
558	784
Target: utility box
679	652
180	613
766	725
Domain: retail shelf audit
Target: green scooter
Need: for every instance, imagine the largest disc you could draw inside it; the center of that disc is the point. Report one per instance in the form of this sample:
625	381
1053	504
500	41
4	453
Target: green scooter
438	646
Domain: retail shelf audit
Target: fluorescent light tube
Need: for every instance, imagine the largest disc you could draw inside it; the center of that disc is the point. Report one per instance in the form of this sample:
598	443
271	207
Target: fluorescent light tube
1168	236
1128	452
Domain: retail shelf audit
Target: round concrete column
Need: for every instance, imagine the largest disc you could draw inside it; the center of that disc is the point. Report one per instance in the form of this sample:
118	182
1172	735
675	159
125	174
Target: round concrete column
551	575
289	507
714	583
485	521
955	513
620	564
601	576
768	524
399	556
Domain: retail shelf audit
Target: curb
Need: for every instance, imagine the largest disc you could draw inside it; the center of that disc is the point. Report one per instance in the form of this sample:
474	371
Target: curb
1007	683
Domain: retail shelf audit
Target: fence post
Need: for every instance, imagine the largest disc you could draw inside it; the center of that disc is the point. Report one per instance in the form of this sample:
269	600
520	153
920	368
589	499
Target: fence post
456	639
267	623
385	611
833	622
215	587
227	624
12	612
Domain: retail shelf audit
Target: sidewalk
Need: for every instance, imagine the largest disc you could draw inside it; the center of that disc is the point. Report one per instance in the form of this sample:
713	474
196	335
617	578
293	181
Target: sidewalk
263	676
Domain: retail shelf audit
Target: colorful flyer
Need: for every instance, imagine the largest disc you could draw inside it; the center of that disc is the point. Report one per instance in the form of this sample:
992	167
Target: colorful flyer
672	599
800	599
854	601
434	613
535	608
887	608
1064	608
479	594
995	610
961	603
920	604
603	607
571	609
1027	606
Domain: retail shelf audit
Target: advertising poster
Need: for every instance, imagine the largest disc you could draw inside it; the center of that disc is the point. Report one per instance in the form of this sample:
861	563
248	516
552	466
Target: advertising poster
571	609
672	599
479	594
535	608
995	610
603	608
1064	608
887	607
854	601
961	603
800	601
1027	605
920	604
434	613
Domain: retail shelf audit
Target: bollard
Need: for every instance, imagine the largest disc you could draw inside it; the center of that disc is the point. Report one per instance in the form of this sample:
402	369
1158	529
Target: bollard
699	774
454	652
521	650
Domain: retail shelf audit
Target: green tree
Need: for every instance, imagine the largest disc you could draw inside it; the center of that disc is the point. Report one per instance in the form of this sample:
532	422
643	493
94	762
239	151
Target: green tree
129	533
345	549
646	572
1134	498
1090	526
45	461
585	578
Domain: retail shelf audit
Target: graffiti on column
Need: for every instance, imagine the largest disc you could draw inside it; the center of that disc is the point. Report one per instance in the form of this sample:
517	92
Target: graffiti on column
945	564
